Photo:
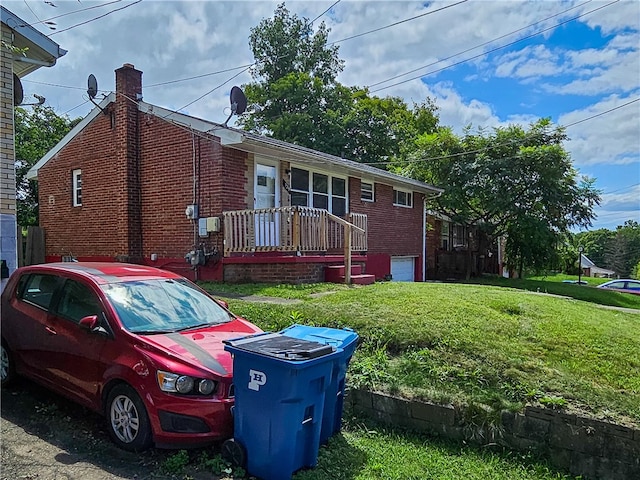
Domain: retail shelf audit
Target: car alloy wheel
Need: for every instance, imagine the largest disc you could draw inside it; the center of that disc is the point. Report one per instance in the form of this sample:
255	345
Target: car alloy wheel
6	365
127	420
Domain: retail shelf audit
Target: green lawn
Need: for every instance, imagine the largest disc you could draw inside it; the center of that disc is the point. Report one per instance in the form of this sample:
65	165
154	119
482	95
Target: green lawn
553	284
476	344
483	346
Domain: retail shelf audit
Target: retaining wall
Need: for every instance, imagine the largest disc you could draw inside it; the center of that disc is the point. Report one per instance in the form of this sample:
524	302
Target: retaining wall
576	444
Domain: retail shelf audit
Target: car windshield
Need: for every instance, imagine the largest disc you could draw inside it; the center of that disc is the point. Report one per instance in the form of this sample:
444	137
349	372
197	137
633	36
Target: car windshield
160	306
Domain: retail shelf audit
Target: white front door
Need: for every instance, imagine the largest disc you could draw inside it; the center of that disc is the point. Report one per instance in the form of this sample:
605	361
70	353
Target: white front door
267	195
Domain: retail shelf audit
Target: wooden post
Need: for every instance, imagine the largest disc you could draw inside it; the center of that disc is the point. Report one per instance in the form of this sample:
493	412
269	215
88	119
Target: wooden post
296	228
347	254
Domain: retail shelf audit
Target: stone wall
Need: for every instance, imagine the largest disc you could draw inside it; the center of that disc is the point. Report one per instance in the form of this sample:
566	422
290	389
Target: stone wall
576	444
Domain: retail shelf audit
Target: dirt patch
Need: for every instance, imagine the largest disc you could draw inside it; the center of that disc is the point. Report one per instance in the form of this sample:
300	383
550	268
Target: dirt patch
46	437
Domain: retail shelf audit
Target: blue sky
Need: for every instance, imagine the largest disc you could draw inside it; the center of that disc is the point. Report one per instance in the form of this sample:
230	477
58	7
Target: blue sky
557	66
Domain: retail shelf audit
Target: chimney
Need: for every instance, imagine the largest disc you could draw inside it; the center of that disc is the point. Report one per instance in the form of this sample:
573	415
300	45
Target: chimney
127	160
129	82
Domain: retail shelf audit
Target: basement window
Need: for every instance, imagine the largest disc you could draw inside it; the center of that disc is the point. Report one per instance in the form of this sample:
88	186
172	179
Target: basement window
76	176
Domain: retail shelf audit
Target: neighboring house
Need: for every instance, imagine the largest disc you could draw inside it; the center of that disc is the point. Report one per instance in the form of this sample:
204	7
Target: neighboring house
451	250
589	269
140	183
24	50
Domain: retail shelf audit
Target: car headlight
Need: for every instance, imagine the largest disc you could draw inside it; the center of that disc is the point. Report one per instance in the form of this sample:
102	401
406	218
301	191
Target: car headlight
206	386
184	384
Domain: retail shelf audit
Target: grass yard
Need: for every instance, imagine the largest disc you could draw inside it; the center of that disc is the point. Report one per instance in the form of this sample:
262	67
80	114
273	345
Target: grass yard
475	344
553	284
364	452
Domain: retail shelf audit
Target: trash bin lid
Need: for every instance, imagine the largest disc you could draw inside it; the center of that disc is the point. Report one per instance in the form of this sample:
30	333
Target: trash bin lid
280	346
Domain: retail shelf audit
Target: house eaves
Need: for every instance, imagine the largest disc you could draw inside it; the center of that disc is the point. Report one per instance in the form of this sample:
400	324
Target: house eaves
40	51
270	147
32	174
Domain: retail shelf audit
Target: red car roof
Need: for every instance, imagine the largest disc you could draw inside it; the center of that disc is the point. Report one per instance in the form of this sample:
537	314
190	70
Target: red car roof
106	272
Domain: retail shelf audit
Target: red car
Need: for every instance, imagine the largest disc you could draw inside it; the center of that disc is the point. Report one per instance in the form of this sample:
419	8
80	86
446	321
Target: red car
140	345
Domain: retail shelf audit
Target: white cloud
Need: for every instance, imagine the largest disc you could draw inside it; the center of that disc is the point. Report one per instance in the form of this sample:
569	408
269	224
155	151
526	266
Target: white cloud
611	138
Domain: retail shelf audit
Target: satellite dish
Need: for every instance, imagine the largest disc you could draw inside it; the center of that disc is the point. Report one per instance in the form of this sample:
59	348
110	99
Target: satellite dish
18	92
238	102
92	86
92	91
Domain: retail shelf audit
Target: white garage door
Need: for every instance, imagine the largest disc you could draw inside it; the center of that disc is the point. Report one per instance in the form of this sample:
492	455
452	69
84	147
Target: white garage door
403	269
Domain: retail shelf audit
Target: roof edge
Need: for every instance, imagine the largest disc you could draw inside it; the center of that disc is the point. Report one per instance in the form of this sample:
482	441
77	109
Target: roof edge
32	174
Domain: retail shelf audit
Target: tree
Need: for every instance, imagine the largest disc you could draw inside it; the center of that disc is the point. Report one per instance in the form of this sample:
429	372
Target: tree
510	180
36	132
594	243
295	97
622	252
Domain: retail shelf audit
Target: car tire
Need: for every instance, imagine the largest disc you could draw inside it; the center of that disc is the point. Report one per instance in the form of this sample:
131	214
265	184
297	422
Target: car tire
127	419
7	367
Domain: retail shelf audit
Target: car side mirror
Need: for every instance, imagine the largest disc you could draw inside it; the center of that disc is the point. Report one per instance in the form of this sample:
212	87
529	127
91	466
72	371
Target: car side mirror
92	323
223	303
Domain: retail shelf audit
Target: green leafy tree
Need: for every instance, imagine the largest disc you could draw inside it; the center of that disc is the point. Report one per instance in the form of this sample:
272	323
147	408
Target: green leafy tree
37	130
622	252
511	179
295	97
595	243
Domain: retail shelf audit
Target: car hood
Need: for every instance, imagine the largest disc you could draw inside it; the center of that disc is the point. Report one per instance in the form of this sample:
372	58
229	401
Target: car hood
203	347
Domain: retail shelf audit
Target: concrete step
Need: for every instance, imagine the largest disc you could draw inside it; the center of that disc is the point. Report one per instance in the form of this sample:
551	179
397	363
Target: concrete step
334	273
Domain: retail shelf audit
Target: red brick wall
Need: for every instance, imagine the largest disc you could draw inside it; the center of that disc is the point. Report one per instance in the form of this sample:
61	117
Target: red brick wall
108	219
295	273
392	230
97	227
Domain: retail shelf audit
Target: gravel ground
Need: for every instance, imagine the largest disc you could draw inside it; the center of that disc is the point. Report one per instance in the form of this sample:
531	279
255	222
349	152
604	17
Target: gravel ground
46	437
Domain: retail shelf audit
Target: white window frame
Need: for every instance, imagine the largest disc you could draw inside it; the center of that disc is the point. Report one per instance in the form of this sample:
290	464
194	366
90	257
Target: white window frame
370	191
76	190
409	197
330	196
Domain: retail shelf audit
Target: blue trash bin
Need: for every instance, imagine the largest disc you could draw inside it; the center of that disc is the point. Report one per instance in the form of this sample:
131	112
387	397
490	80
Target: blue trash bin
345	340
280	384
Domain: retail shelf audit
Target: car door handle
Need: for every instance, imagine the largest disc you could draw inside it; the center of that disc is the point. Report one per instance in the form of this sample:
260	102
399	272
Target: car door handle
51	330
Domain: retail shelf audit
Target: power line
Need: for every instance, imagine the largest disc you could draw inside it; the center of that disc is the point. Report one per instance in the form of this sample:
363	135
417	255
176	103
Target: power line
31	10
96	18
479	45
334	4
398	23
200	76
601	113
487	52
46	21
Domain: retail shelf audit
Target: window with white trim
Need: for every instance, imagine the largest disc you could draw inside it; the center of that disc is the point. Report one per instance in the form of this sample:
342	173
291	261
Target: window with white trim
366	192
318	190
402	198
76	190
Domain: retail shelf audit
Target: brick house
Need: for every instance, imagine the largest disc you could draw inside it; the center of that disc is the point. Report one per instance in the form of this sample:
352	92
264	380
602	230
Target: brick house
136	182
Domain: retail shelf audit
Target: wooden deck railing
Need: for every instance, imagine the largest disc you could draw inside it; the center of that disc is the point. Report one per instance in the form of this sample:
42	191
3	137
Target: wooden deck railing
283	229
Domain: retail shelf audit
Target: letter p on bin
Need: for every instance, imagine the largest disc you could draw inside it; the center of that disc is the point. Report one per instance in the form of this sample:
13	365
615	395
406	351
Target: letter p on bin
280	386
